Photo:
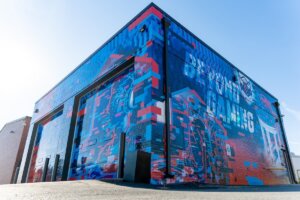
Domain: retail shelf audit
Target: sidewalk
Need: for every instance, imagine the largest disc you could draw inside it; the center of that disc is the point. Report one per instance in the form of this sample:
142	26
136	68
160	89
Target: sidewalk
112	191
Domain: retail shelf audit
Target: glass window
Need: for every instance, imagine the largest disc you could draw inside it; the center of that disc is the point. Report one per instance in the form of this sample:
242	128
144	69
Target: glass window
101	119
46	146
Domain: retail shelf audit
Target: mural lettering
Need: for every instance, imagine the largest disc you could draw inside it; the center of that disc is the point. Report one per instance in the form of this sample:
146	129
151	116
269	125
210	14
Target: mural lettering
223	95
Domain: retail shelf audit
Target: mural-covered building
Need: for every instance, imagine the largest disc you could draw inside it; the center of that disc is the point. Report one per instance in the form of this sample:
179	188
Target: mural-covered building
167	93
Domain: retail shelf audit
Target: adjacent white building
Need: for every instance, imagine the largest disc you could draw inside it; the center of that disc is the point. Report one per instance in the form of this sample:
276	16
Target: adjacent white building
296	165
12	141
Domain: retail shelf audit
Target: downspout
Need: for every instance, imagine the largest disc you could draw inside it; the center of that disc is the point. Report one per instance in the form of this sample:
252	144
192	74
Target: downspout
166	25
290	167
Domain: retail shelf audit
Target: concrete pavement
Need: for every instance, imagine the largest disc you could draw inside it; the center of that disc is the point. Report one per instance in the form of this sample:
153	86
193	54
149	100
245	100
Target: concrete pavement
103	190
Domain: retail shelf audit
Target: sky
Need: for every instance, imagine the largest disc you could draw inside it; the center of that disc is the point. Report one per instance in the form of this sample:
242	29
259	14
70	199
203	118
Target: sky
42	41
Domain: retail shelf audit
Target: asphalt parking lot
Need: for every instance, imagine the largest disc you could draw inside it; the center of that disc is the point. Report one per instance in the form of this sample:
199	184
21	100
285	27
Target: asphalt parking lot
119	190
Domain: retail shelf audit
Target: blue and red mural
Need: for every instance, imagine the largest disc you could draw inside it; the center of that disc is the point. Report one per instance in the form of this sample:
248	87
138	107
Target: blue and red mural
223	127
48	143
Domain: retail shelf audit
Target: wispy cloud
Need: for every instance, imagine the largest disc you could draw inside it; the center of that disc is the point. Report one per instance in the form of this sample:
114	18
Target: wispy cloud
294	143
293	112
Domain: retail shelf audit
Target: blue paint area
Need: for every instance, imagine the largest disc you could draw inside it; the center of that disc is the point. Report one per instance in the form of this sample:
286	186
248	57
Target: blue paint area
247	163
255	165
254	181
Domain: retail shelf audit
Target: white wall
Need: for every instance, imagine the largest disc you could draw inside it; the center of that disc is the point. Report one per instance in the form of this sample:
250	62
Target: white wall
296	164
12	139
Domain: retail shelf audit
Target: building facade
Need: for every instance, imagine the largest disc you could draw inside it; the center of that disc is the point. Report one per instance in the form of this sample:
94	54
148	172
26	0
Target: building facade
201	119
296	165
12	141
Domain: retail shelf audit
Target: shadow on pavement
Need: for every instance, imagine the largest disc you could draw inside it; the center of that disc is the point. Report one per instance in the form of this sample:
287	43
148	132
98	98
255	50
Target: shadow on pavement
210	188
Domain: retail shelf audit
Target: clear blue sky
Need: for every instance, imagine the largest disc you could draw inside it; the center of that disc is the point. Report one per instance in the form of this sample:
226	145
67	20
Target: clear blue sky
42	41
